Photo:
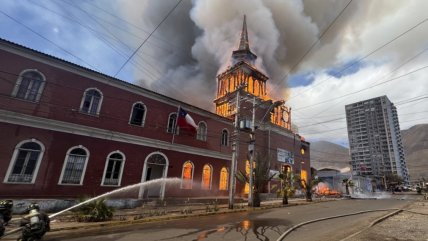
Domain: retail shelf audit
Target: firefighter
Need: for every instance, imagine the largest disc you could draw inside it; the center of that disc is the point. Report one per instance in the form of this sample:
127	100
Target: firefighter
5	214
35	224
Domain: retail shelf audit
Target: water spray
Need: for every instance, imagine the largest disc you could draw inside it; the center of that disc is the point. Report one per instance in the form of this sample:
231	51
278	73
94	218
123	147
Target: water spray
143	184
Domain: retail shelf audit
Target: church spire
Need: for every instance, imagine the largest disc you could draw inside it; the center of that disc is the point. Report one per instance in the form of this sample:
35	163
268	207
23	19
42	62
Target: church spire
243	44
243	53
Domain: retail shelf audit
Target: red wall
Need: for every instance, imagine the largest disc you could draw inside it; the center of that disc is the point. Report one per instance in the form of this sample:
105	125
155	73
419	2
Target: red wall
57	144
63	94
60	101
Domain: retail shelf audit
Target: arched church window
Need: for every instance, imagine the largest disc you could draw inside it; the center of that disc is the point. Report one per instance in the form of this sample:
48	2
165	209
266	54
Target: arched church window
29	85
113	169
74	166
172	123
224	178
91	102
187	175
206	177
224	137
25	162
202	131
138	114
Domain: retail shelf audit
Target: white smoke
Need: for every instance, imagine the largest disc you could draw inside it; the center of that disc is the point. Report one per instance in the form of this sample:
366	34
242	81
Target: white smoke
197	40
210	31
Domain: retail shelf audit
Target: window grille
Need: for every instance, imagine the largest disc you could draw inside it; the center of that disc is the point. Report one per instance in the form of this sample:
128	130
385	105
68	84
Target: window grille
29	86
75	165
25	163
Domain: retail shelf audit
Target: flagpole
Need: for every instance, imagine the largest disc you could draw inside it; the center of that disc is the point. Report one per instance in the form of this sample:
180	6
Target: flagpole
174	129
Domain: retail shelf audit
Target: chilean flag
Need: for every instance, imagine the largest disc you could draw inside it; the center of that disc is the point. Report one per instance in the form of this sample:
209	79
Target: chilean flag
185	121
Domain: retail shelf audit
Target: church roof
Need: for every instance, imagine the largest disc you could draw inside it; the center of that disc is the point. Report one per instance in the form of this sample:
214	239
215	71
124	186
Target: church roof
243	43
243	52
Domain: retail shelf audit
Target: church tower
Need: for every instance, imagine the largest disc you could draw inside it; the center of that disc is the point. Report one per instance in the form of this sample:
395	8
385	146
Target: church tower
244	75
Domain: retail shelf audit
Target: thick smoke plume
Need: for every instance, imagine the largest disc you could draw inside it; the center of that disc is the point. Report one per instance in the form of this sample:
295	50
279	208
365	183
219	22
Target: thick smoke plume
196	41
203	34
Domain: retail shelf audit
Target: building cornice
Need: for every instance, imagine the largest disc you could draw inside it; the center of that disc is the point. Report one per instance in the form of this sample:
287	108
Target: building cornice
76	129
56	62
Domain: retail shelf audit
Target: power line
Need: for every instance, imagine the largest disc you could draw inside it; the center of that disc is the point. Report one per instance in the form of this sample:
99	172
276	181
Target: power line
405	101
163	20
50	41
363	89
210	133
365	56
142	68
315	43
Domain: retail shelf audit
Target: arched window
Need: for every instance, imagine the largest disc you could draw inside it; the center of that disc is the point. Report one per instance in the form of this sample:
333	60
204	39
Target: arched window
187	175
224	179
224	137
25	162
138	114
74	166
113	169
206	177
91	102
172	126
29	85
202	131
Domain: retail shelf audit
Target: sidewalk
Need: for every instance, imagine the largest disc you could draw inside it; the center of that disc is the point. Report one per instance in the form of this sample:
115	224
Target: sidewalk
409	225
151	213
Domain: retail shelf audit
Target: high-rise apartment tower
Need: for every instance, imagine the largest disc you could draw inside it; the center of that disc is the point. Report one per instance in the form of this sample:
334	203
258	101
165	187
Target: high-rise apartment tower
375	139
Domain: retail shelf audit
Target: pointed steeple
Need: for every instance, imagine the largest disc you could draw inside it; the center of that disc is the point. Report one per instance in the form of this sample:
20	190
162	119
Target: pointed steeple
243	53
243	44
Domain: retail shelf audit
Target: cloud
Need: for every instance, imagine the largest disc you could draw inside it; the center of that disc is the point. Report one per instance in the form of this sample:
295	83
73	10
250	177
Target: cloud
280	33
184	55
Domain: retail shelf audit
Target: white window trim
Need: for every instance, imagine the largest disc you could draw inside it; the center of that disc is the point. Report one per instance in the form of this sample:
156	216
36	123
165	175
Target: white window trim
164	174
121	169
144	117
204	136
15	154
65	164
19	81
221	141
193	173
211	176
99	104
175	125
227	179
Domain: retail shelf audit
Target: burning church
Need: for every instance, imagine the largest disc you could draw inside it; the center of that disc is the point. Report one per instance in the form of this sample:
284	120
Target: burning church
69	131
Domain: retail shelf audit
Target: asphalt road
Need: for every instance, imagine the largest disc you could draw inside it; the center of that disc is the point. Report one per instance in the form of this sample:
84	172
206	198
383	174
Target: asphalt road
257	225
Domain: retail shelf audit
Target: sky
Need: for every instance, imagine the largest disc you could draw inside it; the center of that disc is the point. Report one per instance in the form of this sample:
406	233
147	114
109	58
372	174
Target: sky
320	55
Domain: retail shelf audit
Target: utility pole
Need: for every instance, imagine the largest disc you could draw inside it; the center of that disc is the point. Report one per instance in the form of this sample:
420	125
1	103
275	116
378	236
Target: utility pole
235	151
252	150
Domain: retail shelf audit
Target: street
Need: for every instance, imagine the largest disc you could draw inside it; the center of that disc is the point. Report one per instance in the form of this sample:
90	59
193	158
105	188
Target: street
257	225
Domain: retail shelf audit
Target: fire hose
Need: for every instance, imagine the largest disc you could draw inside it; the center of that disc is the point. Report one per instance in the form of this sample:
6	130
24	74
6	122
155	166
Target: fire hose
396	210
17	229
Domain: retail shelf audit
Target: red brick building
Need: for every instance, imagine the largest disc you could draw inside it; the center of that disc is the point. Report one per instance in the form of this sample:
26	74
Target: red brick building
68	131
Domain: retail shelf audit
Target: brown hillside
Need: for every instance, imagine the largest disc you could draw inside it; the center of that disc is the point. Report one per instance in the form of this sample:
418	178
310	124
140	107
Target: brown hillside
325	154
415	142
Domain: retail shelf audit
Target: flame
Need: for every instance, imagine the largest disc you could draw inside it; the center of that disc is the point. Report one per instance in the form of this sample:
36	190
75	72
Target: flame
255	84
324	189
231	80
282	116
